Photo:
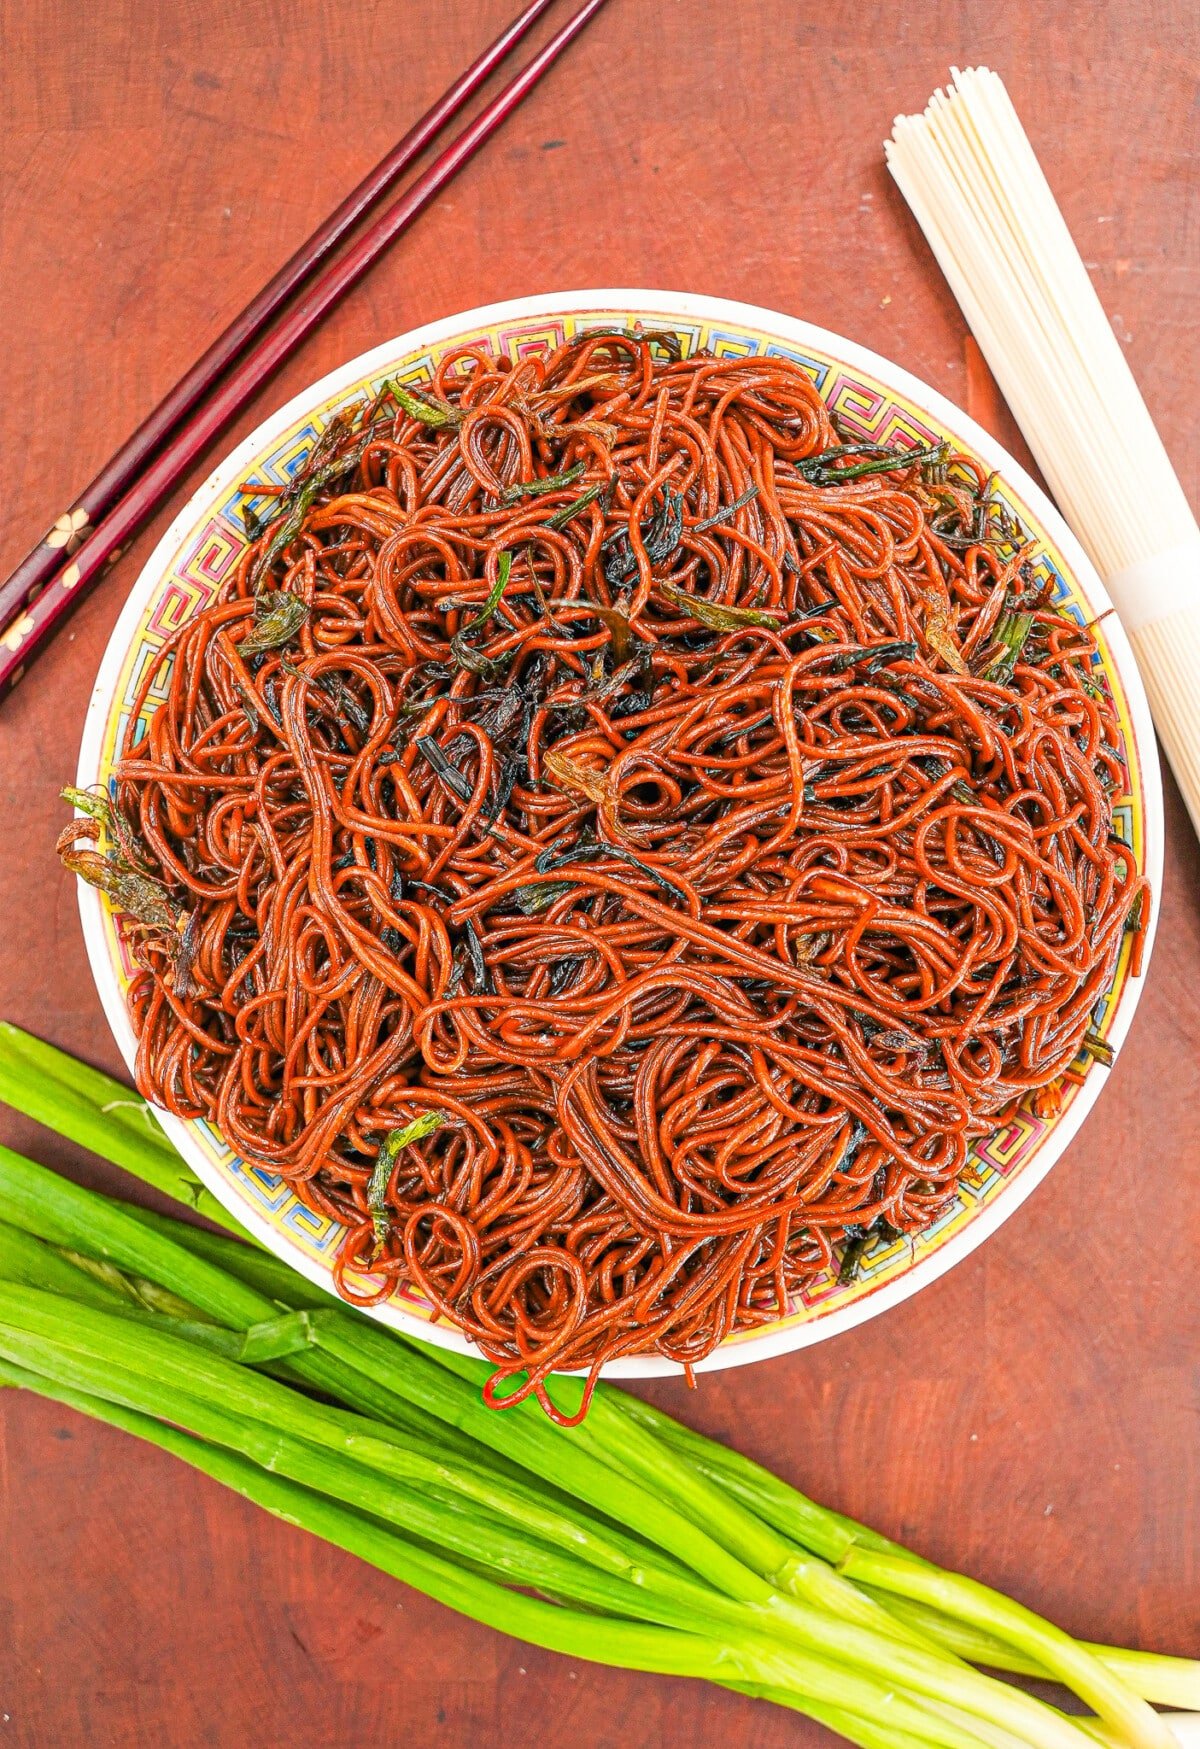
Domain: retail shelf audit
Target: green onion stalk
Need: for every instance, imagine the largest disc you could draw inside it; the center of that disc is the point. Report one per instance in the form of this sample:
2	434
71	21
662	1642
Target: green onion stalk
653	1547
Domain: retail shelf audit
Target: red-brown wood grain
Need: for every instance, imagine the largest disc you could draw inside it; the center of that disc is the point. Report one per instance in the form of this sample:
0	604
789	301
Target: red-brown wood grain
1033	1417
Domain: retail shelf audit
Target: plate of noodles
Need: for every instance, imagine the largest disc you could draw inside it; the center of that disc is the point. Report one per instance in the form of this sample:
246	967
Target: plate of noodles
626	827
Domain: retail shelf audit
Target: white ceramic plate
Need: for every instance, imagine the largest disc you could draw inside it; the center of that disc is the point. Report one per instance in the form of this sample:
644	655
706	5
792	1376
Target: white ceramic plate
874	399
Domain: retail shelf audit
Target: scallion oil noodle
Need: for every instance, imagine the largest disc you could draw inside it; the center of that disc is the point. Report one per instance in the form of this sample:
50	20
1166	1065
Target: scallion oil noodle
614	843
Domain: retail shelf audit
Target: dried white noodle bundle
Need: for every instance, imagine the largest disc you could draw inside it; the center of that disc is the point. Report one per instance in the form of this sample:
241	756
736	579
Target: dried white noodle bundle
970	175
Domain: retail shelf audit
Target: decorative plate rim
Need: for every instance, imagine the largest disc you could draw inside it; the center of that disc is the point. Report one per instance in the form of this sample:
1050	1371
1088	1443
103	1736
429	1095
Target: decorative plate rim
988	1216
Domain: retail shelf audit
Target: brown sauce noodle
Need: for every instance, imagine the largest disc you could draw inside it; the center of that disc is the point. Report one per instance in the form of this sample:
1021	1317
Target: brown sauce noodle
714	937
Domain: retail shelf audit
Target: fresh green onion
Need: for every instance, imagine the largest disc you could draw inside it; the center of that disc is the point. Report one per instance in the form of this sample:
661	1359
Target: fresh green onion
801	1520
90	1108
751	1669
247	1262
658	1544
631	1645
984	1608
28	1259
1154	1676
324	1448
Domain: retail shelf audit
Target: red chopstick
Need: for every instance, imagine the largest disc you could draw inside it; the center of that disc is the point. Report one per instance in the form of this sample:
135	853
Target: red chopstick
48	556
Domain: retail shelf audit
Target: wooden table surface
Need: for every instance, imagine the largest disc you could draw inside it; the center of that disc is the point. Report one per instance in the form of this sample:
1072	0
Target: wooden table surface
1032	1418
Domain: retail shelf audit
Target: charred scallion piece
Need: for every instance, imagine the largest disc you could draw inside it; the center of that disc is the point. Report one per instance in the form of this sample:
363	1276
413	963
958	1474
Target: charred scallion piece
872	656
561	517
538	896
1098	1048
856	1243
660	537
481	978
563	974
278	616
726	513
450	775
666	338
620	631
381	1172
823	469
538	488
345	706
464	655
249	706
298	500
146	900
429	409
716	615
1012	629
120	873
938	768
570	774
100	805
595	851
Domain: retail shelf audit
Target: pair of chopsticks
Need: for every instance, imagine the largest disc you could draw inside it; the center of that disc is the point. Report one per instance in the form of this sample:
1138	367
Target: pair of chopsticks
39	595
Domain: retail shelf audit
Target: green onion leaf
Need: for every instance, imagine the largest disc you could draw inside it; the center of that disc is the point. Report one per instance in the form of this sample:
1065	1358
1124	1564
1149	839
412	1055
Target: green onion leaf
461	650
495	593
552	859
99	805
450	775
620	631
320	471
94	803
874	655
937	627
346	706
